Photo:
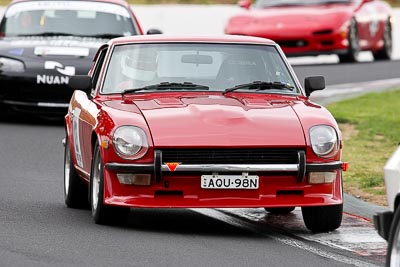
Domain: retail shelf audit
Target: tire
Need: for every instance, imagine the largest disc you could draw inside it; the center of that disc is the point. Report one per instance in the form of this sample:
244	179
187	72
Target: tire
322	218
393	250
386	52
354	44
3	116
75	191
102	214
277	211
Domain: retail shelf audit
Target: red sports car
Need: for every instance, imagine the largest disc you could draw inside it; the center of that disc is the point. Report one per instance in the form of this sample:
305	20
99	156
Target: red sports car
314	27
164	121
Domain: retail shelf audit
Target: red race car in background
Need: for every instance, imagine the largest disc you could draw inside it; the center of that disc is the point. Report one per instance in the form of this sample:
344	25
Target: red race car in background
314	27
164	121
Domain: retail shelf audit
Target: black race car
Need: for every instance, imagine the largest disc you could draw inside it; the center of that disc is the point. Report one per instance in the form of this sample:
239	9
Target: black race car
43	43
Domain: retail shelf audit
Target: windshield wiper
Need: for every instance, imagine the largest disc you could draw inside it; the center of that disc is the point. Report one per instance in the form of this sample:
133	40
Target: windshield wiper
102	35
106	35
259	85
48	34
168	86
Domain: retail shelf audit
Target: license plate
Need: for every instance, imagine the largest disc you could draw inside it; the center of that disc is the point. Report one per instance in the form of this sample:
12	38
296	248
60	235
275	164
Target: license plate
229	182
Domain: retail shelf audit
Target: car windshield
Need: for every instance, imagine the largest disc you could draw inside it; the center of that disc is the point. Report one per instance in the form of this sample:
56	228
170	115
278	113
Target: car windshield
60	18
137	68
277	3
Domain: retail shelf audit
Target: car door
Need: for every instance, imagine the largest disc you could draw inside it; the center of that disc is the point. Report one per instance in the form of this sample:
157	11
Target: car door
84	118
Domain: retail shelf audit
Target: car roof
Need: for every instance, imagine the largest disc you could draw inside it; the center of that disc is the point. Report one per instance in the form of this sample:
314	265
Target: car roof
162	38
119	2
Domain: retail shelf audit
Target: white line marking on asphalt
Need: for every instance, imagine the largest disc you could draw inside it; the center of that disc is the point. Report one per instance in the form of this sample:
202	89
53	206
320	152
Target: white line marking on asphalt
336	92
252	226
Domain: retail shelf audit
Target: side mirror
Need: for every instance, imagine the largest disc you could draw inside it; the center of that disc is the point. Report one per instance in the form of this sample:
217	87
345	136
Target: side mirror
154	31
244	4
80	82
314	83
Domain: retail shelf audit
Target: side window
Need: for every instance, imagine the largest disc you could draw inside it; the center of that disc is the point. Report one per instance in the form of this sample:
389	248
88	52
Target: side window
97	70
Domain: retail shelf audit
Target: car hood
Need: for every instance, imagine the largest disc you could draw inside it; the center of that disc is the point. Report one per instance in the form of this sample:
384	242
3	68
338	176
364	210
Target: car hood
219	121
296	18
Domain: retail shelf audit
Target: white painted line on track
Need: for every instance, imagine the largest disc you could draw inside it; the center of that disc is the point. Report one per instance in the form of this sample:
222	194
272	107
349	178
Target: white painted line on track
355	236
380	84
336	92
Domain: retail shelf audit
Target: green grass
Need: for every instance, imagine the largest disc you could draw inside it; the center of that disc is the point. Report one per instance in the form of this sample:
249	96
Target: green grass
371	125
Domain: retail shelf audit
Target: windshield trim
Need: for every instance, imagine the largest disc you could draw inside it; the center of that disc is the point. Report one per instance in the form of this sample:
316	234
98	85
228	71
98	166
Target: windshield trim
298	89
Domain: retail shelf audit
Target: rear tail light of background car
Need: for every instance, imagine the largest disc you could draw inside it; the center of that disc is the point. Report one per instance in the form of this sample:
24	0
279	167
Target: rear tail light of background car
321	177
134	178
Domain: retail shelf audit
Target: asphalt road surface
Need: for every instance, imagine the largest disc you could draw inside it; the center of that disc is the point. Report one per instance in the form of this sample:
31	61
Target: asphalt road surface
36	229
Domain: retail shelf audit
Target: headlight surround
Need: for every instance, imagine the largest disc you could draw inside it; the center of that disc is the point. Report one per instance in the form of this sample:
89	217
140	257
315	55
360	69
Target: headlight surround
324	140
130	142
11	65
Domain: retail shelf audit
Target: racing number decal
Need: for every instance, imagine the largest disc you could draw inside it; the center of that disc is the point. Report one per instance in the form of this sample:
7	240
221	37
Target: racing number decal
75	132
374	20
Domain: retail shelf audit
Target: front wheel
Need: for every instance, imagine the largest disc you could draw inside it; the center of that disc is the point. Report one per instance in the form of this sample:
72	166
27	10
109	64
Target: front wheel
322	218
386	52
102	214
393	252
353	49
75	191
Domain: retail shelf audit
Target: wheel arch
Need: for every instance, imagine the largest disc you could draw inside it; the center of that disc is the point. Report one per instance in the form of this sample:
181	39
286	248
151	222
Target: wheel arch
97	137
67	128
396	202
94	138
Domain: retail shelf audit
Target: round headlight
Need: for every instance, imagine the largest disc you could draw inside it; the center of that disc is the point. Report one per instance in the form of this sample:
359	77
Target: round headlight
11	65
130	142
324	140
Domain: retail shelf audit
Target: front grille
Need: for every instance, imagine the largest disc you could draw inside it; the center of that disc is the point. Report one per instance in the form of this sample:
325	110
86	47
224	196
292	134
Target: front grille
292	43
327	43
323	32
231	156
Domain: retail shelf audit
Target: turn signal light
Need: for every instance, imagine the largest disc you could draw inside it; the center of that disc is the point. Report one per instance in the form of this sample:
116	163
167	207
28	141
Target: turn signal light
321	177
134	179
345	166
